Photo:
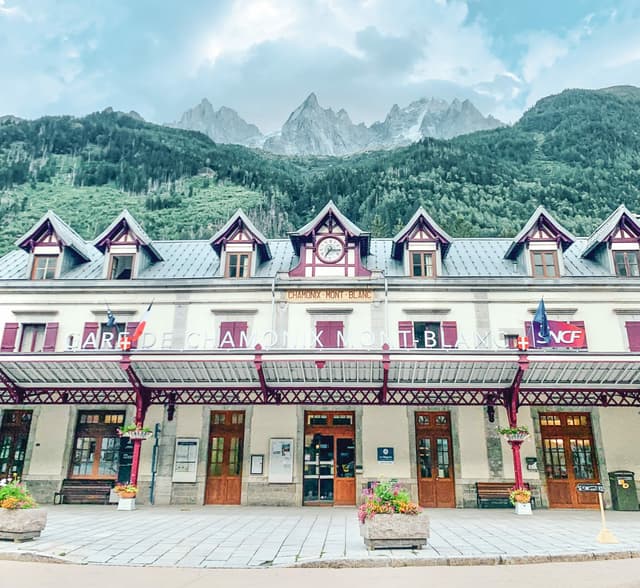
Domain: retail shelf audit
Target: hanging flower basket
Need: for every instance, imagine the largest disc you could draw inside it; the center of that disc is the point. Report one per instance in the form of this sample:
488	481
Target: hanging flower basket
515	433
517	436
134	432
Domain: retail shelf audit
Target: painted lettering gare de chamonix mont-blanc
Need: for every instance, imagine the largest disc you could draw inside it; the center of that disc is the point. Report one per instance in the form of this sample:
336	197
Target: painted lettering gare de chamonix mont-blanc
296	370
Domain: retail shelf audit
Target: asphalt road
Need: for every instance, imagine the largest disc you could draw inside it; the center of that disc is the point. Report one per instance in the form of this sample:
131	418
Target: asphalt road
597	574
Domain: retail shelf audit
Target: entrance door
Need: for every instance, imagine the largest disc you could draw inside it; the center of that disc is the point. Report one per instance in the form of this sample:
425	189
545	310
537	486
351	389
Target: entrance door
436	486
224	474
569	459
329	459
96	445
14	435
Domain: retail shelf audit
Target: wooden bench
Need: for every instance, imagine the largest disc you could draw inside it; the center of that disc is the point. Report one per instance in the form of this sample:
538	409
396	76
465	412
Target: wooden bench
84	492
496	493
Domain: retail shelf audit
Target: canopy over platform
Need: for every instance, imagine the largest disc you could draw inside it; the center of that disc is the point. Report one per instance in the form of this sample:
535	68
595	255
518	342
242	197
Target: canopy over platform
339	376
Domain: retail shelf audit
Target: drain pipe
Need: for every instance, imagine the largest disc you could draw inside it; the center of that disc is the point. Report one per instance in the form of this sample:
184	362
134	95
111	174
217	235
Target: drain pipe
273	303
386	308
154	463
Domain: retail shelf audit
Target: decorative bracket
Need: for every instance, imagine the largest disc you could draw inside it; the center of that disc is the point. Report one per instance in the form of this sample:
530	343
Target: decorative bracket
143	394
15	391
257	362
386	363
511	398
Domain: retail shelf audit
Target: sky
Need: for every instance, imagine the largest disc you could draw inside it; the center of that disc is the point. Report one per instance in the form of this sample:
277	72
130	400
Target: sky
263	57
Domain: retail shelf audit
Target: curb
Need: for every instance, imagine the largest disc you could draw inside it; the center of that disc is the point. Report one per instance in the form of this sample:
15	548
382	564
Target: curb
489	560
32	556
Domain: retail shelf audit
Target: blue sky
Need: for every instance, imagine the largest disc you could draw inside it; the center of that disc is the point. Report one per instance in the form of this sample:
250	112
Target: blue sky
262	57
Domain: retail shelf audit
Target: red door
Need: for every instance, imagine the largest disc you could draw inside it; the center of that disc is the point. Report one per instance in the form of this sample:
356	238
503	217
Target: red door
224	474
436	487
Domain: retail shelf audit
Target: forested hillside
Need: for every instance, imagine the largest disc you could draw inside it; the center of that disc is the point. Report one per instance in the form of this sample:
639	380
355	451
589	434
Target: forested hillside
578	153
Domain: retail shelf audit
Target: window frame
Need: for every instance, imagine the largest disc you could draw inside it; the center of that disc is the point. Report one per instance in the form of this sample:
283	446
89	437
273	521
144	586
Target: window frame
556	266
113	257
35	267
239	254
626	253
36	329
423	265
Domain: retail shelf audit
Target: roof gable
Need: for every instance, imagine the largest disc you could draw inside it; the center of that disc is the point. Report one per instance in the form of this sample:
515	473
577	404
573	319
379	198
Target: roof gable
541	226
331	212
620	225
421	227
235	229
120	229
50	226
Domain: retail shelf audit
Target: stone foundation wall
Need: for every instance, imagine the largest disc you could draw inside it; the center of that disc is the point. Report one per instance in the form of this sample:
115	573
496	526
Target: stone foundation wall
271	495
43	490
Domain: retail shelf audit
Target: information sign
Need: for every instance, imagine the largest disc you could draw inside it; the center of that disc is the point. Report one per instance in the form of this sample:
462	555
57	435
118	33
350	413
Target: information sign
590	488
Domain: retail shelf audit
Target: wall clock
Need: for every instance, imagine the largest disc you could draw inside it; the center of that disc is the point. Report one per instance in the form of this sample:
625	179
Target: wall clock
330	249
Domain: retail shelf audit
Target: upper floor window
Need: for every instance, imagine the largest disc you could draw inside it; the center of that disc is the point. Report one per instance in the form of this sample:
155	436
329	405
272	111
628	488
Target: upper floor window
422	264
32	339
545	264
238	265
109	335
626	263
44	267
121	267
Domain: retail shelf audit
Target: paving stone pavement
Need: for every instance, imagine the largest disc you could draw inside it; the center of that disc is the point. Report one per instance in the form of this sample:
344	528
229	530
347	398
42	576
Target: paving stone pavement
245	537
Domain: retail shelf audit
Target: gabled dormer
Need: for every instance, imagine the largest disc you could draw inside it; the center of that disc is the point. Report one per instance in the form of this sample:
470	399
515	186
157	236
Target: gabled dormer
53	247
421	245
330	245
615	244
538	247
127	248
240	246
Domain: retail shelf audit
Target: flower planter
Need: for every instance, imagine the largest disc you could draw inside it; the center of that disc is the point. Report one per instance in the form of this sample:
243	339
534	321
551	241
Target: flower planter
127	502
391	531
517	436
21	524
127	494
142	435
523	508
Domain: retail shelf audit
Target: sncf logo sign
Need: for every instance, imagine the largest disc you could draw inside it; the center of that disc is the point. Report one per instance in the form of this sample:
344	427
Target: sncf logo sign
561	334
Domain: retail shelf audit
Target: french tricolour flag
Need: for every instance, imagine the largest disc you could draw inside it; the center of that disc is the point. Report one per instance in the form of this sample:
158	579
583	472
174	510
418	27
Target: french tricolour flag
141	325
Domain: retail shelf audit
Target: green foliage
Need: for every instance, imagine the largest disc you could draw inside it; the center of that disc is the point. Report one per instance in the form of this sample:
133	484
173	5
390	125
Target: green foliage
578	153
14	495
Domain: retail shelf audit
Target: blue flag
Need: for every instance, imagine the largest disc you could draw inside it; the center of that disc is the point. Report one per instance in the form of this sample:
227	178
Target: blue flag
111	319
543	324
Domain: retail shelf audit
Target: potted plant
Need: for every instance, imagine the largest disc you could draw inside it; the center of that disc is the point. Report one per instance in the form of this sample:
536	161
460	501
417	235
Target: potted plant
521	499
519	433
126	496
134	431
20	517
388	518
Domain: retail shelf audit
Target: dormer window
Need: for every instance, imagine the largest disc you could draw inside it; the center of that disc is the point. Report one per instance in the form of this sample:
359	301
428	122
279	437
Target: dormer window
44	267
423	264
121	267
238	265
545	264
626	263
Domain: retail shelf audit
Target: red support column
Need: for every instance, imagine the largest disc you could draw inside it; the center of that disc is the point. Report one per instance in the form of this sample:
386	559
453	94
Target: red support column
512	403
386	363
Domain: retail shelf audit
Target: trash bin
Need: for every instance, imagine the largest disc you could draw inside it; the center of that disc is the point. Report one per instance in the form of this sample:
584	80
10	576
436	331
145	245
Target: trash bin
623	490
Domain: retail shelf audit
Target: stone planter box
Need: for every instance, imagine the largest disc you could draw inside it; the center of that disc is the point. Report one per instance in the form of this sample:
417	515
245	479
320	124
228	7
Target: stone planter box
523	508
391	531
22	523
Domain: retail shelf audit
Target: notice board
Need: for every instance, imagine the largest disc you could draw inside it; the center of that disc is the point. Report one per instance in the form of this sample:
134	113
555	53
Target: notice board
281	461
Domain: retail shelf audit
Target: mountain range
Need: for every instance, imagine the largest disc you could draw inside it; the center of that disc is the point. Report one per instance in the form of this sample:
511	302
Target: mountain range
317	131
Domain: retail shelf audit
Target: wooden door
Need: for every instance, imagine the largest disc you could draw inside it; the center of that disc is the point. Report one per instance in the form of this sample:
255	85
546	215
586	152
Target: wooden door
96	447
224	473
569	459
345	480
14	434
436	486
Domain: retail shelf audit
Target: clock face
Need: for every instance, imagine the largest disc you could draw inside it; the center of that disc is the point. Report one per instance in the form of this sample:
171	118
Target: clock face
330	249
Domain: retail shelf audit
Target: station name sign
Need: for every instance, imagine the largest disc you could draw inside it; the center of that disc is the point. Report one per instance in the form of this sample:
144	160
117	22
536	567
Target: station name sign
330	295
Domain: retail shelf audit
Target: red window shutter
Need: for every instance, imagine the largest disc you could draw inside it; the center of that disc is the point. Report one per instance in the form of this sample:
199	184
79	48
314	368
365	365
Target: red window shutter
90	329
528	333
240	334
581	324
50	337
633	334
405	334
130	328
449	334
9	336
233	334
226	336
329	334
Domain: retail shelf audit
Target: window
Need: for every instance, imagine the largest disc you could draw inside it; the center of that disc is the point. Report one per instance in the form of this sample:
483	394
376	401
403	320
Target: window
633	334
32	339
427	335
109	335
233	335
329	334
121	267
44	267
626	263
238	265
422	265
545	264
511	341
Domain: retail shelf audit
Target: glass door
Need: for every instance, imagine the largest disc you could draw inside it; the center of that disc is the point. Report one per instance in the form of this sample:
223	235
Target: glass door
14	434
318	472
96	447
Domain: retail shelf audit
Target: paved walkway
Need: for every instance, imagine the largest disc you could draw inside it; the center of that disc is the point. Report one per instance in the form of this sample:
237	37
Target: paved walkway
265	536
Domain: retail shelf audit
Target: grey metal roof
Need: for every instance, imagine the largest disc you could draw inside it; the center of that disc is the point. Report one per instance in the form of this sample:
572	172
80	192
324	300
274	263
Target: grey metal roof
472	257
607	227
134	225
65	233
541	211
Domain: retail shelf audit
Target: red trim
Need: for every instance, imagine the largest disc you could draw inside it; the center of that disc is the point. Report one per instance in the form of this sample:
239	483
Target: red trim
9	336
50	337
